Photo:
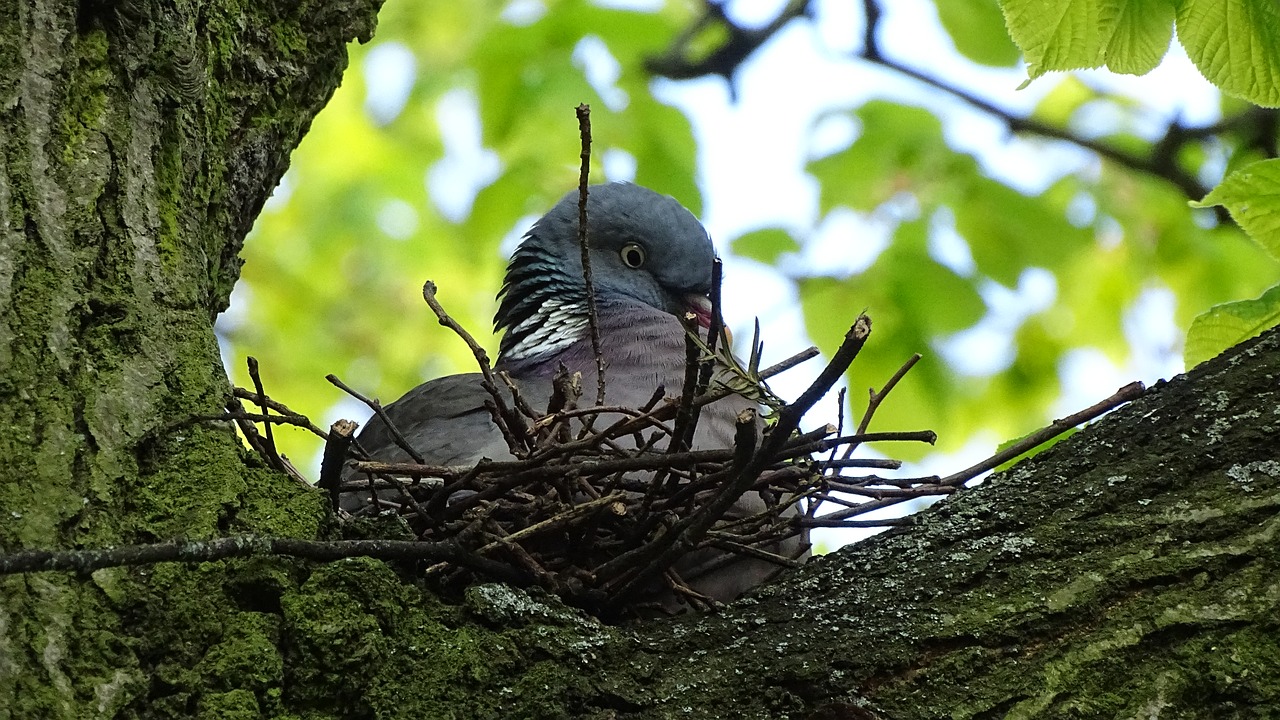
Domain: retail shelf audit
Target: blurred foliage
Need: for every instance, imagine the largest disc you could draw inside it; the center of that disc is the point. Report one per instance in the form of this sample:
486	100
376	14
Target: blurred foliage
1236	45
334	266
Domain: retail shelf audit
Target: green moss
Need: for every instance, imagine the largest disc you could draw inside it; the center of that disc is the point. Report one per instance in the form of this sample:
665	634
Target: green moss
232	705
86	93
247	658
361	639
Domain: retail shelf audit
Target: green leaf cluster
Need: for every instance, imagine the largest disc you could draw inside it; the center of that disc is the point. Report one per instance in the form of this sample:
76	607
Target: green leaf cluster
1139	233
1236	45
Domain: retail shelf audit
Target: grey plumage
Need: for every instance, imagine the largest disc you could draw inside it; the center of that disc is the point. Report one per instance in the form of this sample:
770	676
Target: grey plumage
543	313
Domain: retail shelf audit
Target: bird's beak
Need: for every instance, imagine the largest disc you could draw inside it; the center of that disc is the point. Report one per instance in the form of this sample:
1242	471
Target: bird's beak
699	306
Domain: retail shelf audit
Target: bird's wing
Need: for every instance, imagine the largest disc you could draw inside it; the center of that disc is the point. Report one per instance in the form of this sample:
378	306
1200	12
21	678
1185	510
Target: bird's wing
446	421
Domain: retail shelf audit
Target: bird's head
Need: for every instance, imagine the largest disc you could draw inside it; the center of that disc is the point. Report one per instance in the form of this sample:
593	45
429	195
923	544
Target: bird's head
646	249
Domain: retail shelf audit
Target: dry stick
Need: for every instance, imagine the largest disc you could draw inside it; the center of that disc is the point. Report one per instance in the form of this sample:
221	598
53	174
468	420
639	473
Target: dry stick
688	389
273	455
247	428
501	411
593	320
664	551
555	521
335	454
279	407
824	522
246	546
238	415
873	402
517	399
376	407
537	468
866	507
924	436
811	509
627	427
1129	392
698	374
877	463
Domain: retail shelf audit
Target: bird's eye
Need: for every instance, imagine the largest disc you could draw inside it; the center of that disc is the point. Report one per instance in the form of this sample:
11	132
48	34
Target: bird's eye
632	255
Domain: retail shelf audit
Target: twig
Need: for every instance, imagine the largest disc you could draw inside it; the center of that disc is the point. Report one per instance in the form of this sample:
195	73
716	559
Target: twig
557	521
687	532
335	454
593	319
378	410
273	456
706	368
1129	392
503	416
688	390
279	407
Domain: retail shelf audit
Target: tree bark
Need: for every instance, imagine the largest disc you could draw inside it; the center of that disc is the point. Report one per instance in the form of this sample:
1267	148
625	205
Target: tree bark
1131	571
138	140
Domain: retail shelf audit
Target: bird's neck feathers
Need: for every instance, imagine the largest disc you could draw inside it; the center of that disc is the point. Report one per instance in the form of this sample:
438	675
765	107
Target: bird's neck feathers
543	308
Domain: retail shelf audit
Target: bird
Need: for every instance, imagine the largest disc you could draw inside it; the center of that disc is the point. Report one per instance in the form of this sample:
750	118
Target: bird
651	263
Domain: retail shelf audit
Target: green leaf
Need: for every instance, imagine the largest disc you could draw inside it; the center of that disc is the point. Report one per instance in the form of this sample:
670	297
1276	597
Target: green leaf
1061	103
1229	324
1236	44
765	245
899	149
1141	33
1252	196
977	29
912	301
1033	451
1126	36
1008	231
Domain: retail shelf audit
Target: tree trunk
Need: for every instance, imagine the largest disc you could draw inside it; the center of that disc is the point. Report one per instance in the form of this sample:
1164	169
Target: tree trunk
1131	571
138	140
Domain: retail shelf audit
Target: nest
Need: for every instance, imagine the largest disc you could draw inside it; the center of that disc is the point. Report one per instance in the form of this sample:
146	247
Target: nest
607	506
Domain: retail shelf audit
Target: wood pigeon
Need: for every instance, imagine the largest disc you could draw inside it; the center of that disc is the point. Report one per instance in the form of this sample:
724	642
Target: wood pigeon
651	263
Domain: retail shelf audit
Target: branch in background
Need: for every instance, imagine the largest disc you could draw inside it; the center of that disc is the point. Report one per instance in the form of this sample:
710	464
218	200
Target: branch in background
1256	128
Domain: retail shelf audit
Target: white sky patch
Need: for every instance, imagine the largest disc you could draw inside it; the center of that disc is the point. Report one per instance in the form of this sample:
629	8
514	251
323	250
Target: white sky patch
1154	337
602	71
510	241
390	70
844	244
397	219
1087	376
637	5
946	246
237	312
1082	210
522	13
467	166
831	133
619	165
987	348
280	195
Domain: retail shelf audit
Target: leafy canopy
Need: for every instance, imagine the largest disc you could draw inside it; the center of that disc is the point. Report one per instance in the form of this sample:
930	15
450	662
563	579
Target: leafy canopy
379	198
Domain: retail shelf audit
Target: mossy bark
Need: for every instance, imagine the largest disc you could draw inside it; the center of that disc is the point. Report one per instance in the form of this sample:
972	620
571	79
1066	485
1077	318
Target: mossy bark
1129	572
138	140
